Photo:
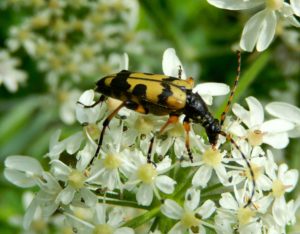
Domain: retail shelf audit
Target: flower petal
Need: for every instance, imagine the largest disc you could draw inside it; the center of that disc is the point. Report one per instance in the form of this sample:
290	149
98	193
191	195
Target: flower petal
227	201
278	211
144	195
60	169
256	111
115	217
171	209
90	199
192	199
100	213
66	195
202	176
212	89
165	184
296	6
242	114
284	111
30	211
221	173
171	64
207	209
25	164
290	179
267	31
277	141
178	228
19	178
124	230
235	5
251	31
276	126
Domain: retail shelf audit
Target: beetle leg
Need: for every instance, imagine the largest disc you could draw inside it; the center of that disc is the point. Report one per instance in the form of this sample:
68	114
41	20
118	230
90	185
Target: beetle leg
179	71
172	119
187	128
101	99
105	125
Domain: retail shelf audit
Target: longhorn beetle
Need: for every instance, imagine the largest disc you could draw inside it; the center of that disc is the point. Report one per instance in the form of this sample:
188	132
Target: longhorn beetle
165	95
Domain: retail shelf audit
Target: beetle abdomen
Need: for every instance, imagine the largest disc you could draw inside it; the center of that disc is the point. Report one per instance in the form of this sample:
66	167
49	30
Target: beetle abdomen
164	92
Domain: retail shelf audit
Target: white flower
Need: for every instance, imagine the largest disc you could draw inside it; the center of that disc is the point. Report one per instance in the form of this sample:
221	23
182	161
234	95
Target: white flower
171	65
285	181
212	160
234	213
260	28
10	76
148	179
103	221
67	98
113	163
191	215
75	181
287	112
71	144
22	37
259	164
25	172
272	132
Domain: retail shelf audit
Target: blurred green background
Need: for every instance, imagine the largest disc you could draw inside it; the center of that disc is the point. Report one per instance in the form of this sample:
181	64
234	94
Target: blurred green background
203	36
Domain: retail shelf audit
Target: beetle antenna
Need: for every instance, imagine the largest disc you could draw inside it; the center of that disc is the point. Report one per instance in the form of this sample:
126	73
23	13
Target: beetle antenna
236	81
229	138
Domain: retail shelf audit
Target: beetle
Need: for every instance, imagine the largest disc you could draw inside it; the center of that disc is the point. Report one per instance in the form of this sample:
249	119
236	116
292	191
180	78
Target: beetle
165	95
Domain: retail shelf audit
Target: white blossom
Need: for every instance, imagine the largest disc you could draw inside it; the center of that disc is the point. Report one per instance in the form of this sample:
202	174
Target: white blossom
260	28
191	215
272	132
10	76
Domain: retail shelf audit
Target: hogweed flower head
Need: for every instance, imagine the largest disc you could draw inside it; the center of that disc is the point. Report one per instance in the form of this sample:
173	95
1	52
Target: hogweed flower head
89	196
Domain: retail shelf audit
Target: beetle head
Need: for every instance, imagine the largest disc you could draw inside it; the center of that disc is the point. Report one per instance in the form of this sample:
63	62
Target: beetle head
213	130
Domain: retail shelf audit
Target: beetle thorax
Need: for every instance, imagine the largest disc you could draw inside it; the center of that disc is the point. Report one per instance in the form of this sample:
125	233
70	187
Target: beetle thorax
197	110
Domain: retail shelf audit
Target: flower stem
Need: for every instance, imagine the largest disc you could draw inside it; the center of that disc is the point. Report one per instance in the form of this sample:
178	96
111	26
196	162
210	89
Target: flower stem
141	219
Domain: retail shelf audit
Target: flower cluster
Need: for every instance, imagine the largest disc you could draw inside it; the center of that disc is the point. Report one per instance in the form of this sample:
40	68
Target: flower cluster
72	42
261	28
72	39
212	192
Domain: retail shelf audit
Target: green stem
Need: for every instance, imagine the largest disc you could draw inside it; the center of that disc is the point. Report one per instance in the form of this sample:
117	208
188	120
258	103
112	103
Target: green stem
211	188
122	203
141	219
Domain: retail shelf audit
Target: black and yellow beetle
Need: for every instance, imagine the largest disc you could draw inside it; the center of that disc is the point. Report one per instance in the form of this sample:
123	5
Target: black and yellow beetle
160	95
164	95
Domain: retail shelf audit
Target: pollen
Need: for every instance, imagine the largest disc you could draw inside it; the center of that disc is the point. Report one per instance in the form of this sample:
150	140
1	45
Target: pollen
112	161
274	4
278	188
103	229
76	179
244	215
212	157
146	173
188	220
255	137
